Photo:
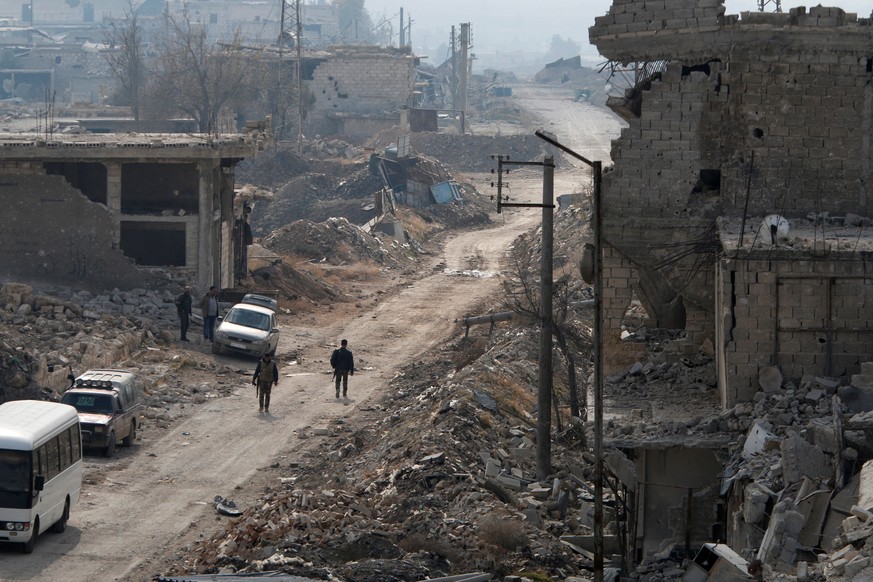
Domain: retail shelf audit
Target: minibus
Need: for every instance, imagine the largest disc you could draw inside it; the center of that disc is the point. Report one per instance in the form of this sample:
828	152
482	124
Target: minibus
40	469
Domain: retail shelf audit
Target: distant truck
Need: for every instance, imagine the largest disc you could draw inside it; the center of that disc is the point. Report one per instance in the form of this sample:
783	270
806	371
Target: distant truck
109	403
583	94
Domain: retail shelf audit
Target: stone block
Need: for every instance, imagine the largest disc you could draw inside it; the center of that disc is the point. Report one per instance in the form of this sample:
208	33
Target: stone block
492	468
850	523
814	395
862	380
823	435
856	565
769	378
509	482
861	513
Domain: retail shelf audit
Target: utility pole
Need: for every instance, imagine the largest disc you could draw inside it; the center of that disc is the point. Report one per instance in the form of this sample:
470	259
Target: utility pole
291	10
299	79
402	30
544	377
454	80
465	40
544	394
597	172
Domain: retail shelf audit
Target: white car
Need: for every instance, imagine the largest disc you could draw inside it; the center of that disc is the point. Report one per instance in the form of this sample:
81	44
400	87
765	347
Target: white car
247	329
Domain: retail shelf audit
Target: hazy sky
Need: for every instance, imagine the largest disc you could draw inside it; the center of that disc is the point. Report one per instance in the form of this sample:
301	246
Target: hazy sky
506	25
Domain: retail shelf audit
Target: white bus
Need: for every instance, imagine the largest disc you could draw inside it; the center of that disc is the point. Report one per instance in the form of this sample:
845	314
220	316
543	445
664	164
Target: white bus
40	469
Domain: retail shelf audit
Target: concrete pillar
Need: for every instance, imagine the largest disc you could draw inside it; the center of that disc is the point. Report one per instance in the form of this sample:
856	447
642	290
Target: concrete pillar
113	199
205	250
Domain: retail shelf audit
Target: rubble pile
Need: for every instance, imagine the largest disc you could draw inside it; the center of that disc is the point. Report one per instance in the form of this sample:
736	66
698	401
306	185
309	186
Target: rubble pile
291	284
332	148
272	168
47	335
799	500
472	153
336	241
317	197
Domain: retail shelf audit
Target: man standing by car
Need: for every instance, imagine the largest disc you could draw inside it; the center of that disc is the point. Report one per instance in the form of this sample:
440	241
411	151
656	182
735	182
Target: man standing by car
266	376
343	364
183	307
209	311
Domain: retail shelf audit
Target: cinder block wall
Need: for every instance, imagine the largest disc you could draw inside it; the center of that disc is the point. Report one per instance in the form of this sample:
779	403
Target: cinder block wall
617	295
777	107
807	317
363	83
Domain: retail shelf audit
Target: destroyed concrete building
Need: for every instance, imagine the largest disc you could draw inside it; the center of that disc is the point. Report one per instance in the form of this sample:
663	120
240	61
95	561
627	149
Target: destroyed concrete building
106	209
738	210
735	121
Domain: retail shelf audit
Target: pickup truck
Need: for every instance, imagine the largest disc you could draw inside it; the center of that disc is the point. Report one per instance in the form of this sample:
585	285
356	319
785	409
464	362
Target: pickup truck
109	403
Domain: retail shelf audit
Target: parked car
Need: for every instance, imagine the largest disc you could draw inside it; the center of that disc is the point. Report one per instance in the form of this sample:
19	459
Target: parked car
262	300
247	329
109	403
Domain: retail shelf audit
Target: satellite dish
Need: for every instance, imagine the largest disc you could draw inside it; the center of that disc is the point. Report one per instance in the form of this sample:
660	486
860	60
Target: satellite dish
773	229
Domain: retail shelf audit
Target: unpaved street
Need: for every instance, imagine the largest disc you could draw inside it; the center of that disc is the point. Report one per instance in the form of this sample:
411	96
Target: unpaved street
156	495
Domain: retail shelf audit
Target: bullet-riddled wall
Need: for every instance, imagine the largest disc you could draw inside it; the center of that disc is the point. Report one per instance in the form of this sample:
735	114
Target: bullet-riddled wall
360	84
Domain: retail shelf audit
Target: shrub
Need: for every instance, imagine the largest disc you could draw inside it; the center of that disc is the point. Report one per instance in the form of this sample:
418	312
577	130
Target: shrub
502	532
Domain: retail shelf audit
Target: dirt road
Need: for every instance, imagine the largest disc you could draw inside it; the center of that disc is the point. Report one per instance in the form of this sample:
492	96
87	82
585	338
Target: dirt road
157	495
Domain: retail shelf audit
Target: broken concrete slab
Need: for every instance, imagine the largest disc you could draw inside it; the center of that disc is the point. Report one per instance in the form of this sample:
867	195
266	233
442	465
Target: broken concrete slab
802	459
759	439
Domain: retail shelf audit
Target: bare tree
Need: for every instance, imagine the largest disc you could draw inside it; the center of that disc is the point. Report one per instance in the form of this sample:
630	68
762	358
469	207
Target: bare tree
279	98
126	57
521	295
199	77
354	20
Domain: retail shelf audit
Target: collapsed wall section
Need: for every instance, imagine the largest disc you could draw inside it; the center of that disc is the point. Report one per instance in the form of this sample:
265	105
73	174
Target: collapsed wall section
52	232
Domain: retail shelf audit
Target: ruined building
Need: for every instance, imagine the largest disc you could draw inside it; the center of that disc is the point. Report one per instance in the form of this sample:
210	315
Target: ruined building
737	206
111	209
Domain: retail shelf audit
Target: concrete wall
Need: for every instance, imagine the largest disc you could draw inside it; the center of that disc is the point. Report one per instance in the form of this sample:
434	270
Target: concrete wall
671	479
768	113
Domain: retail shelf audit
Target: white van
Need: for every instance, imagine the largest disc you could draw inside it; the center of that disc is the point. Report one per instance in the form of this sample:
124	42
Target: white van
40	469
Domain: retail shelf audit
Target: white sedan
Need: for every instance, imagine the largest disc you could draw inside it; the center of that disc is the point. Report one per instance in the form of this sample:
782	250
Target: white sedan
247	329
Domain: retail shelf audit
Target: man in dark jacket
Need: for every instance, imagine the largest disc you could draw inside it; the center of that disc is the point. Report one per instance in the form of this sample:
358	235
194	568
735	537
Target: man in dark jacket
266	376
183	307
343	364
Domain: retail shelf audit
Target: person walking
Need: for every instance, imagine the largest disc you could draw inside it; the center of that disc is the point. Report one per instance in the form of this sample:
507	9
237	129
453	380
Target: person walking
183	307
266	376
343	363
209	311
